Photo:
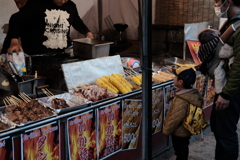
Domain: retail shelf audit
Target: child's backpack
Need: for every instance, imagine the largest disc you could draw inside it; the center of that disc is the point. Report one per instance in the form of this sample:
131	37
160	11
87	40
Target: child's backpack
195	122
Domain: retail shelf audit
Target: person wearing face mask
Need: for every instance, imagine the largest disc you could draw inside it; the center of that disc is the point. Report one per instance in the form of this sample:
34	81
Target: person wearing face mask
226	107
218	10
48	23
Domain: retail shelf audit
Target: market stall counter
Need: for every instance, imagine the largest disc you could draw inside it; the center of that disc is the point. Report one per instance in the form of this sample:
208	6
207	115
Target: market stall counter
82	128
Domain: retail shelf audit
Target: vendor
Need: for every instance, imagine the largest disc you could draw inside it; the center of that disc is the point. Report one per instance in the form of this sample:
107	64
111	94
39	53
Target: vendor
48	23
12	22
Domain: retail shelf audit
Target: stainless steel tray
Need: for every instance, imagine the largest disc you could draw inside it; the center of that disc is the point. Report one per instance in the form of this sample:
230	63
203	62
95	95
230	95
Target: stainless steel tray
176	60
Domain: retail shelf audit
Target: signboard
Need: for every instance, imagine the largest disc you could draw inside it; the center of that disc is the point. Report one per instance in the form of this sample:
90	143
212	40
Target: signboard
194	47
6	149
41	143
132	114
168	95
157	110
109	130
82	137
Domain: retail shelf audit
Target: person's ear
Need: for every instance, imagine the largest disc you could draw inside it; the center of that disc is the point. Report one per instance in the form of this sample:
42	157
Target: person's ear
181	82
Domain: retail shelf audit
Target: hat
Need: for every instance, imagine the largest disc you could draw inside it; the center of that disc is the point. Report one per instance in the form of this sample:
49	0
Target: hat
187	74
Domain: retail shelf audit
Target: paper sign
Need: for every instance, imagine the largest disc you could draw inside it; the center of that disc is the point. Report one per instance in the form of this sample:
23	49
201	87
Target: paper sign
82	137
109	130
6	149
157	110
132	115
42	143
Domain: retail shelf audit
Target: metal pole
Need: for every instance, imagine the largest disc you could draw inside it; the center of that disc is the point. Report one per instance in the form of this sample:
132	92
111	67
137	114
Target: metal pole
147	79
99	19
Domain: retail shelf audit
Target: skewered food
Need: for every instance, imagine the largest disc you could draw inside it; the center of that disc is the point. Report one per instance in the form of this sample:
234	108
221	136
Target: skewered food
162	77
104	83
115	83
123	89
5	123
136	80
93	92
122	80
59	103
27	111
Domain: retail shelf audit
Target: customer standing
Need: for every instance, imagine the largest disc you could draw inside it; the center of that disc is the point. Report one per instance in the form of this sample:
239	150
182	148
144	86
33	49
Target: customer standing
173	124
226	109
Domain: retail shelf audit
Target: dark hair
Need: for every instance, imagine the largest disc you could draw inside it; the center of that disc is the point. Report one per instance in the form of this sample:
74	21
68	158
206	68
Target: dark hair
236	2
206	35
185	85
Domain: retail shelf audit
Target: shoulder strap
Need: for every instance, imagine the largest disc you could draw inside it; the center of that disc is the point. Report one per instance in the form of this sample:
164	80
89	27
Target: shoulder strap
205	85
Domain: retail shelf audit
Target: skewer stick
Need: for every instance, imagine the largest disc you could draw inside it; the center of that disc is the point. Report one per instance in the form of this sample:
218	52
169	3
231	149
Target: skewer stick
12	101
75	88
16	99
49	91
46	92
27	96
5	103
82	86
28	100
23	98
134	72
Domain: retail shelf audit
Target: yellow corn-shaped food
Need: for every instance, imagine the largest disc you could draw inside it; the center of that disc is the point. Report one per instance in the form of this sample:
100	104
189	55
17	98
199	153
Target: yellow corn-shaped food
123	80
105	79
139	77
117	84
136	80
104	83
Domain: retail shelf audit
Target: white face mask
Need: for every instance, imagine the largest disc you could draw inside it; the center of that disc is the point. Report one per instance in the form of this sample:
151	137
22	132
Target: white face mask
219	13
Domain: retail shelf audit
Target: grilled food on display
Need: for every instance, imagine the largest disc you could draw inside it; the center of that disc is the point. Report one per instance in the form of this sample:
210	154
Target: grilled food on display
93	92
115	83
59	103
27	111
5	123
162	77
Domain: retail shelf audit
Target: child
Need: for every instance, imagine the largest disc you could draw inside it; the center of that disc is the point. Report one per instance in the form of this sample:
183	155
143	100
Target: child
173	124
212	63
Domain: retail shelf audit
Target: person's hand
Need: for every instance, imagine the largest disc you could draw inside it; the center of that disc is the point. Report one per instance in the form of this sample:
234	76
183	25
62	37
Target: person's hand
89	35
3	58
15	46
236	25
221	103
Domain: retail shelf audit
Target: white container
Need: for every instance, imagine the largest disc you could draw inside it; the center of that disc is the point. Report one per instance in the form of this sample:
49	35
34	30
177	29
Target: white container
91	48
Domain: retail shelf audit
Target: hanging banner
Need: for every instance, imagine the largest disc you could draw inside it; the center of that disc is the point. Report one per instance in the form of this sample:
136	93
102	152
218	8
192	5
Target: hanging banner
6	149
157	110
82	137
109	130
41	143
132	115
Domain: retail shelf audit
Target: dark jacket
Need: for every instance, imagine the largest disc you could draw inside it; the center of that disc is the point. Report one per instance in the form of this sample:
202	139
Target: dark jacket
173	123
48	26
233	75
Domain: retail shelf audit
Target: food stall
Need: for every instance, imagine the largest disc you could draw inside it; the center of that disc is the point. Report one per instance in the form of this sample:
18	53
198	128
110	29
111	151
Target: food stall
74	125
87	122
